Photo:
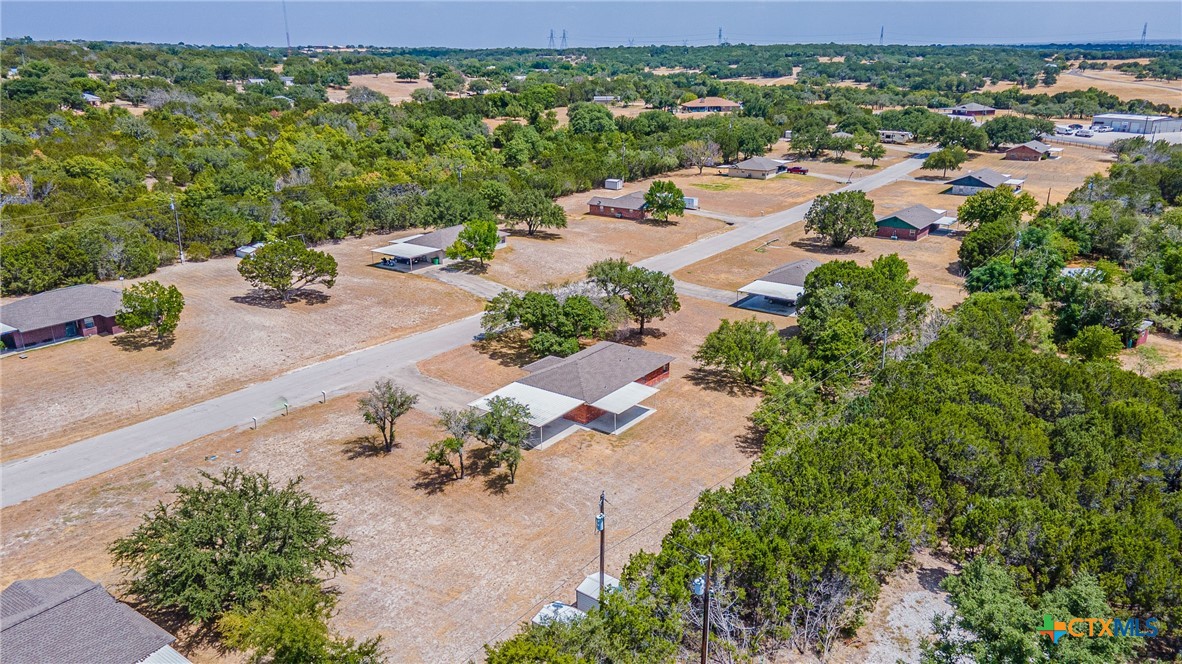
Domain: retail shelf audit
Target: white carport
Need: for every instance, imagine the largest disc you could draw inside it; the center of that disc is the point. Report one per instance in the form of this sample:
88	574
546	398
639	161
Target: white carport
624	400
544	407
773	290
404	250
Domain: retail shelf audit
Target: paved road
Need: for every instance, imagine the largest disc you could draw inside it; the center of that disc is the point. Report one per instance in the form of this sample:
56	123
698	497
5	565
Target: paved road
705	292
26	478
746	232
474	284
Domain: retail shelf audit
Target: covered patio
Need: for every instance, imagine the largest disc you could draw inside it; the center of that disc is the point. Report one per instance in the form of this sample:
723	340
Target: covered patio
405	257
546	410
770	297
622	408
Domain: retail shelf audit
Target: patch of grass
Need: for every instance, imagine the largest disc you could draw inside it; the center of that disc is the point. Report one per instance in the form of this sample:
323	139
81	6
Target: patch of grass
714	186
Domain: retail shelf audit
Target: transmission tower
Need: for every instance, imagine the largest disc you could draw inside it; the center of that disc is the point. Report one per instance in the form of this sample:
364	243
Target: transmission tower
286	32
720	36
551	44
881	32
631	42
1144	33
563	39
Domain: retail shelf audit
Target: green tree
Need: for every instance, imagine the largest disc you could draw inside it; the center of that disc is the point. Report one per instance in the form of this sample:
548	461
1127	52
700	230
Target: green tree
234	538
1011	129
383	405
840	217
945	159
985	243
995	205
992	622
442	453
153	305
285	266
478	239
873	151
996	275
700	154
461	425
663	199
749	350
959	133
1095	342
535	210
289	623
811	141
647	294
505	428
591	119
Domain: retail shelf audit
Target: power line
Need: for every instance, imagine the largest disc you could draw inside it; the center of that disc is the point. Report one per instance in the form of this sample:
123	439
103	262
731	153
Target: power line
93	207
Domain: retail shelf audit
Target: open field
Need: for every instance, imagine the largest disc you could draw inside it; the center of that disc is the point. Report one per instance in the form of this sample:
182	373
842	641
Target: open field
562	114
389	84
932	260
439	567
748	198
1058	176
851	166
226	340
1125	86
1169	346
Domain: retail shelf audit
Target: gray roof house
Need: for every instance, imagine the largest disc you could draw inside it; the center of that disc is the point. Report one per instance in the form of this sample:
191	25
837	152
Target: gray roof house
600	388
912	223
756	167
69	618
986	178
64	313
419	250
778	290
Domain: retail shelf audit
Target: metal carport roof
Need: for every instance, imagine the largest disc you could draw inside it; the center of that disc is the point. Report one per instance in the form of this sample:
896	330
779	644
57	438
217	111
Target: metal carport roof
773	290
625	397
544	407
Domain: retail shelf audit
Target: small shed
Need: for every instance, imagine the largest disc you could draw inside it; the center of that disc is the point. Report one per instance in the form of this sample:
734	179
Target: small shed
691	203
587	594
92	99
614	184
1142	333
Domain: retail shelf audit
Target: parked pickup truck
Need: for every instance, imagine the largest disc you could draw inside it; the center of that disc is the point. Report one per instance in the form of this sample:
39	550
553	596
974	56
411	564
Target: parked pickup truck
799	170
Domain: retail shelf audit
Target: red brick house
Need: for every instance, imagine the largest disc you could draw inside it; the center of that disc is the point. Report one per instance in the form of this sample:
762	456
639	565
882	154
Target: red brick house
628	206
710	105
973	109
600	388
56	315
912	223
1031	151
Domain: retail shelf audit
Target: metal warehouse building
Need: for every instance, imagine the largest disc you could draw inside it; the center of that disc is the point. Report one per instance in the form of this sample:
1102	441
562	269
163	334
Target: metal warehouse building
1138	124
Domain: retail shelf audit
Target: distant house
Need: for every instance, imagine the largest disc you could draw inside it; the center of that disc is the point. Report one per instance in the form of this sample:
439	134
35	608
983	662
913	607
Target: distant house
756	167
56	315
422	249
973	109
287	81
600	388
248	249
12	71
912	223
255	81
605	99
1083	273
69	618
984	179
628	206
710	105
92	99
894	136
781	287
1032	151
1138	124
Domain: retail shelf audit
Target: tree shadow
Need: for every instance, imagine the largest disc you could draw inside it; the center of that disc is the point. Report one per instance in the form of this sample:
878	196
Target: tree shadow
434	480
717	380
649	221
632	337
751	441
137	341
468	267
363	447
954	269
190	636
480	461
267	300
510	349
868	167
817	246
931	178
540	234
497	484
930	578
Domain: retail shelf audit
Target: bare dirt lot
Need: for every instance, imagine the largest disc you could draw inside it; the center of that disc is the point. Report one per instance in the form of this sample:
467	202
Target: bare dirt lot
1125	86
1168	350
851	167
932	260
440	568
748	198
226	340
388	84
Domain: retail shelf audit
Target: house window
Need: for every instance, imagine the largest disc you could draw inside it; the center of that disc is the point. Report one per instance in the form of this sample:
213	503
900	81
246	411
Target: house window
911	232
88	323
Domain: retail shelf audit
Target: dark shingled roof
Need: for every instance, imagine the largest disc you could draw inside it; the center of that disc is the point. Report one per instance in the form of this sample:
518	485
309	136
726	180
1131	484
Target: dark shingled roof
633	201
442	238
986	175
60	306
69	618
1037	146
973	106
595	372
759	164
916	216
793	273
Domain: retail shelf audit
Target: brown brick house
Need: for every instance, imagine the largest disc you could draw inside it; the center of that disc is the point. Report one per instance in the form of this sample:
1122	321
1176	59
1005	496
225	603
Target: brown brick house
628	206
57	315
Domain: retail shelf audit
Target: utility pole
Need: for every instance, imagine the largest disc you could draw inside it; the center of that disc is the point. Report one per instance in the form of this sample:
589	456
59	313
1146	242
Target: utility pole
1144	32
286	31
709	560
601	526
177	219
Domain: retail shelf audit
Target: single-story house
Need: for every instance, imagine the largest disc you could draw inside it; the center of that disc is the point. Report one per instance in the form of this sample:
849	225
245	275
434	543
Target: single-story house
255	81
986	178
248	249
69	618
1138	124
710	104
605	99
287	81
600	388
842	134
92	99
1032	151
912	223
973	109
56	315
895	136
422	249
628	206
557	612
782	286
756	167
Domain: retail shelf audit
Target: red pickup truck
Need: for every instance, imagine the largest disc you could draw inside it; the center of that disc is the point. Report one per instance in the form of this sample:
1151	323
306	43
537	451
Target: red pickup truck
799	170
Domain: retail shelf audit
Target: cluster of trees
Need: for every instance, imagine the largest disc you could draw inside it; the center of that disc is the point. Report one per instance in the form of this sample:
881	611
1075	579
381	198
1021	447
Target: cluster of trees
253	553
1053	480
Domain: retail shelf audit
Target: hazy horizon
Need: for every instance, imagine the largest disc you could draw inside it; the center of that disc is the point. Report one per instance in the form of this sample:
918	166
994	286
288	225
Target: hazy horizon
515	24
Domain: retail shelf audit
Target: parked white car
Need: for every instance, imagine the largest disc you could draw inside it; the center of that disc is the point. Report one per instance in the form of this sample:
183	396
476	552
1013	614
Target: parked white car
1102	128
1085	133
1064	131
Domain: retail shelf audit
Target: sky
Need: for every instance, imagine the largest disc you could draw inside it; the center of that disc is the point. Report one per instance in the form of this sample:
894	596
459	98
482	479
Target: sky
456	23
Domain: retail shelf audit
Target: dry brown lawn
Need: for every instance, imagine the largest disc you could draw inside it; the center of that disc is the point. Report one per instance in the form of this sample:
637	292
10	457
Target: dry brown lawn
387	83
226	339
1168	346
852	165
440	567
748	198
1056	176
932	261
1124	86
